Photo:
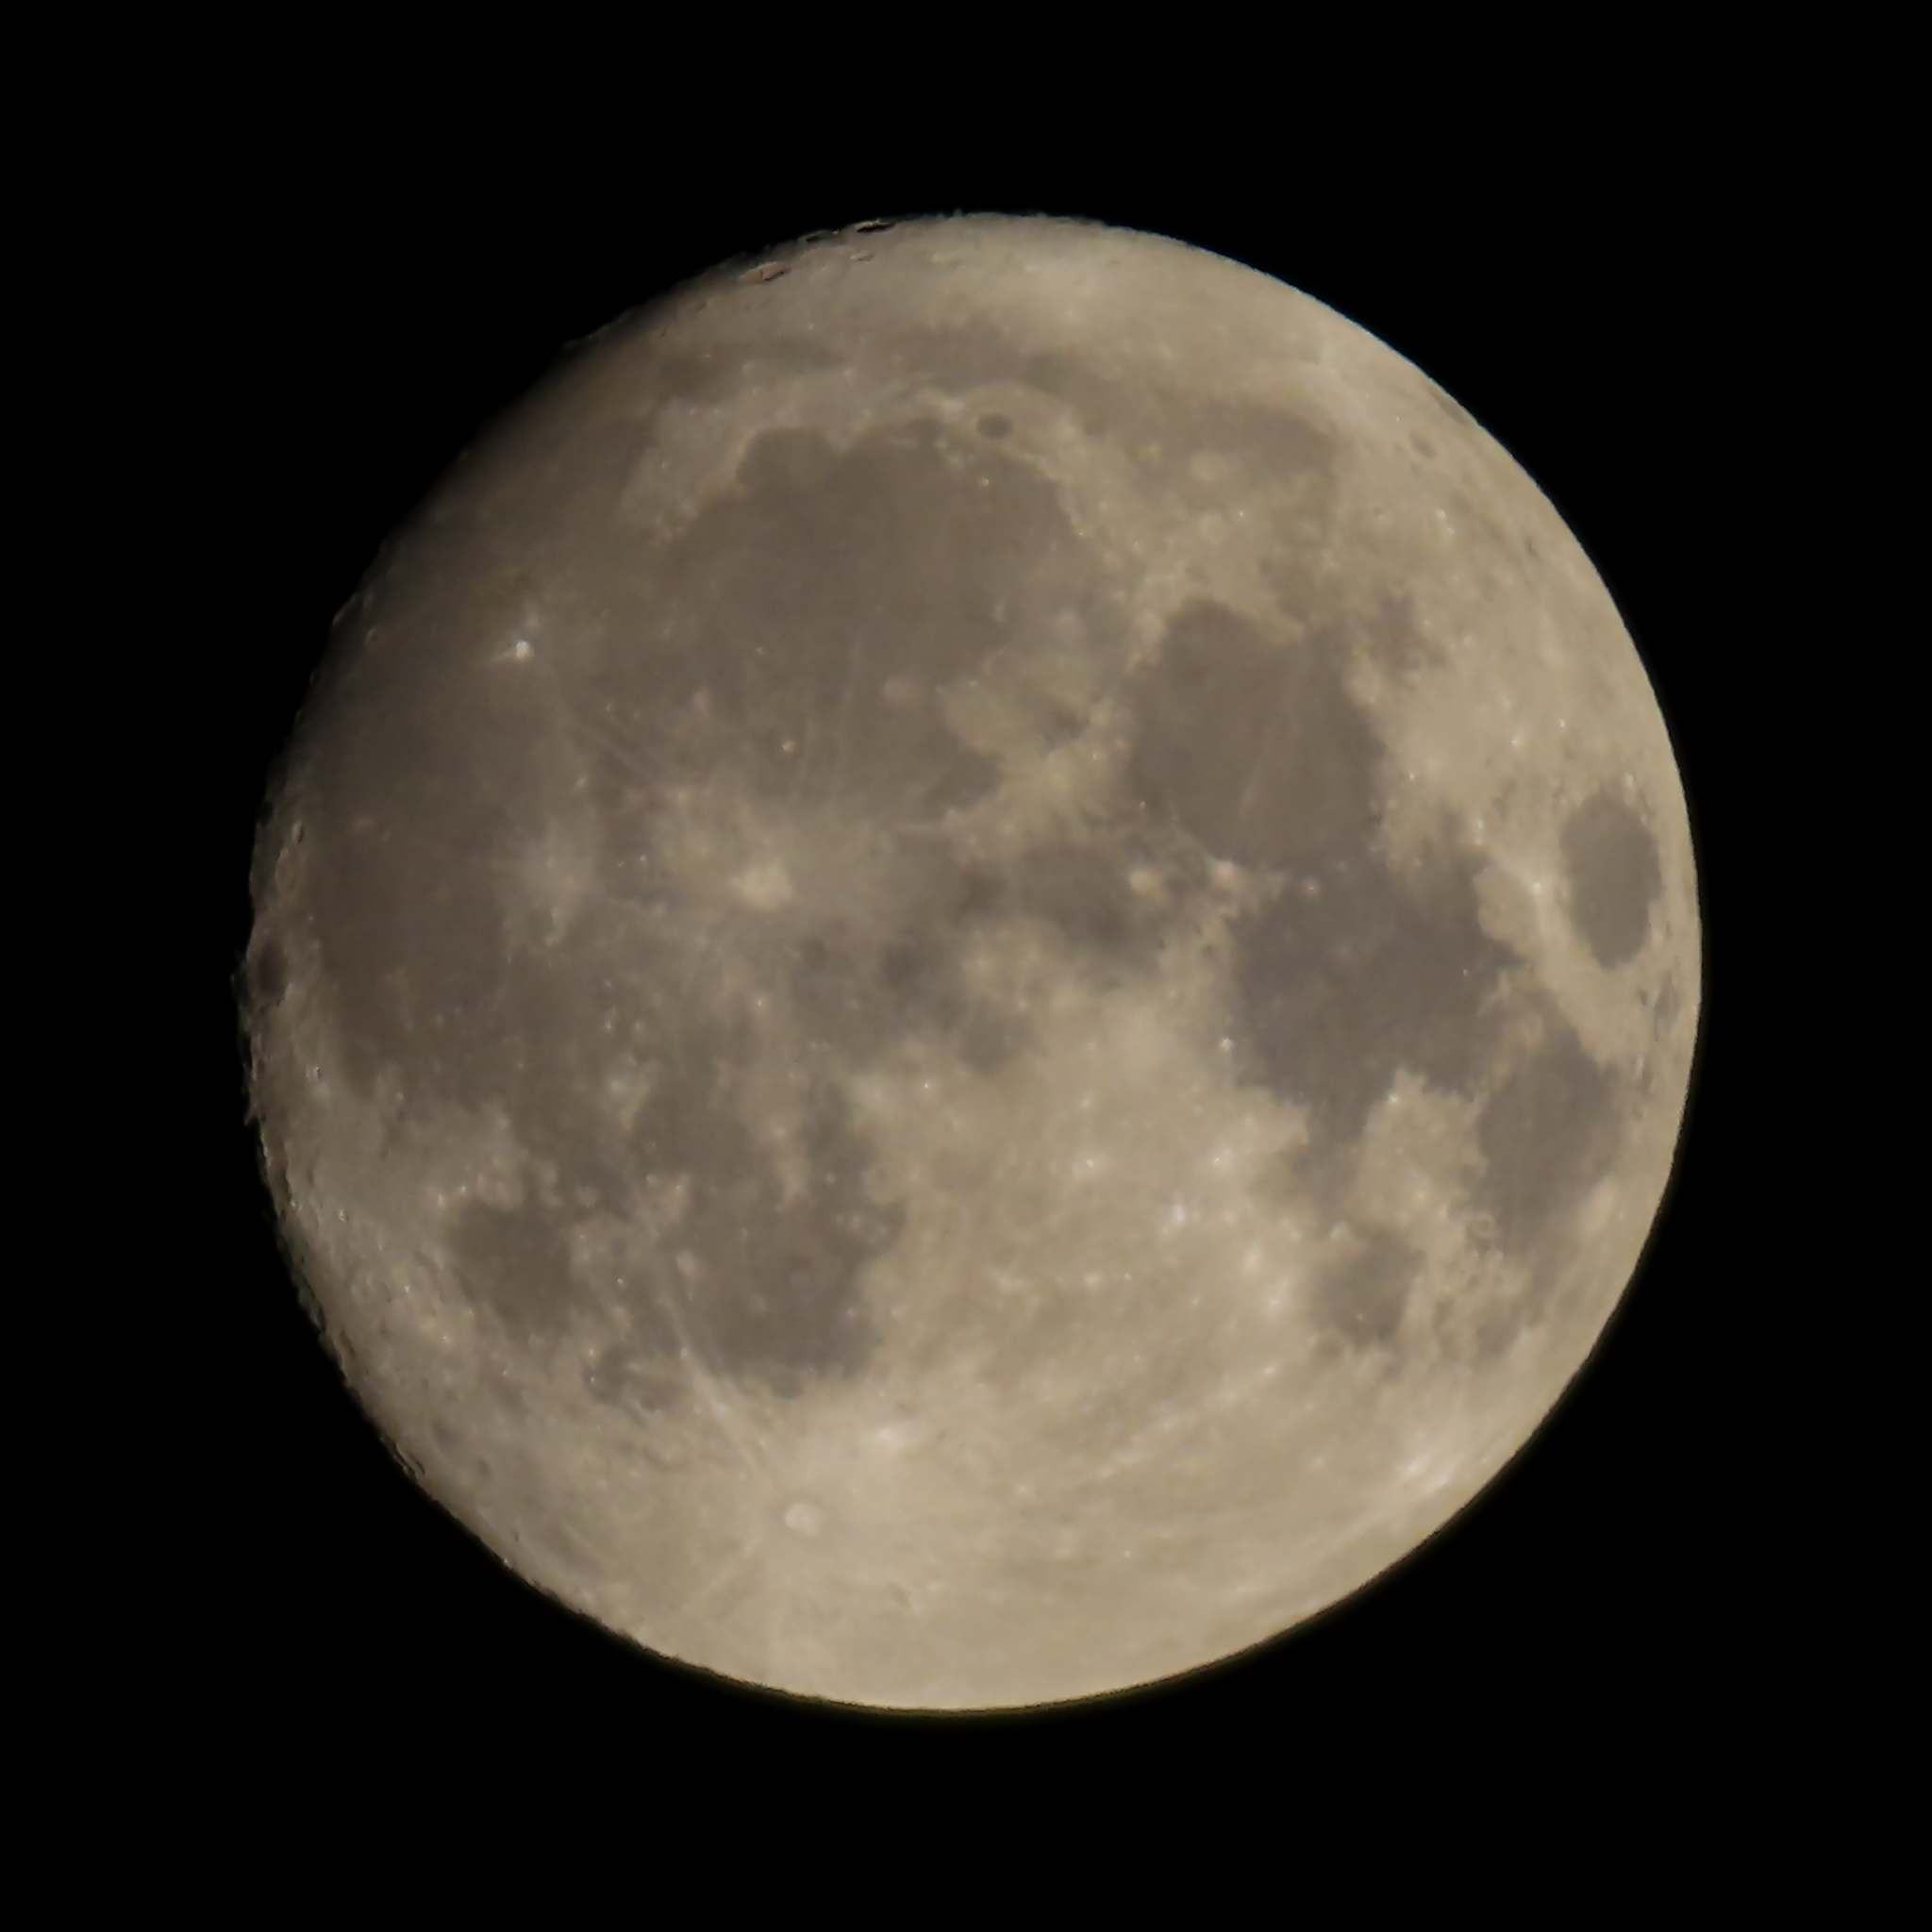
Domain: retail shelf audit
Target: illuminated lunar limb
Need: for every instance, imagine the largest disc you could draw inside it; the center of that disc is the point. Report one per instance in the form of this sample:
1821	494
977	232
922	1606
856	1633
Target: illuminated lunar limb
977	971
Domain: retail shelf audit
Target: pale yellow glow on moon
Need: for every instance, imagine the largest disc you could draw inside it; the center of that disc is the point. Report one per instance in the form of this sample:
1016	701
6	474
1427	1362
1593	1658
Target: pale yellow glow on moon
977	971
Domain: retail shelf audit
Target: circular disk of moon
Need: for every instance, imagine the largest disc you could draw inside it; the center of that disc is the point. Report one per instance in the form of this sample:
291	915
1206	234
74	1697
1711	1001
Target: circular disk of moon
975	971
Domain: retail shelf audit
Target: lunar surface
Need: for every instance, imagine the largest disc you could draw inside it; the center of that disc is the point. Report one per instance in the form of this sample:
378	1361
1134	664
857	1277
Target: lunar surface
975	971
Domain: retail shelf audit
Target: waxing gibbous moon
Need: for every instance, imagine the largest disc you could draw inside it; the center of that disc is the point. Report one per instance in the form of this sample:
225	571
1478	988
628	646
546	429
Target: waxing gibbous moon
975	972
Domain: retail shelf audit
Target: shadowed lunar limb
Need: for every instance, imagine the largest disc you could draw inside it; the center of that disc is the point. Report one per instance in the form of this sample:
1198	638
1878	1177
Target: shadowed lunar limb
977	970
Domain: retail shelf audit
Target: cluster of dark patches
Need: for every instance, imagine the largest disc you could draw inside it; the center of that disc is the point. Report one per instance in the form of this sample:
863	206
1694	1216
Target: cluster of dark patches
853	1002
819	610
812	615
747	1281
1356	969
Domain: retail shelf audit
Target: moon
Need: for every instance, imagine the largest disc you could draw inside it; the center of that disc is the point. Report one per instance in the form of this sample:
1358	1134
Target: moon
975	972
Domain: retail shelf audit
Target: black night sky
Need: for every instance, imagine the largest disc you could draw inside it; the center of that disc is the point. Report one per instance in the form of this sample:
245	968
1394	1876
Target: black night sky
341	332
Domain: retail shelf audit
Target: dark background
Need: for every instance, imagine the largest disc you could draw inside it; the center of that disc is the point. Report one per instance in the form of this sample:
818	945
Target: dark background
338	325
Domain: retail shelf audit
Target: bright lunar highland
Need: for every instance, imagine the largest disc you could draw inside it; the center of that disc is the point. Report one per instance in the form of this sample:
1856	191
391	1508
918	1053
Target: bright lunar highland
975	971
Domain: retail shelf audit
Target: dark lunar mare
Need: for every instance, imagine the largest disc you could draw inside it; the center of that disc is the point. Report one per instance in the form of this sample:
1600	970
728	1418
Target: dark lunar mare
1252	747
790	641
1361	1300
1613	876
1356	969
